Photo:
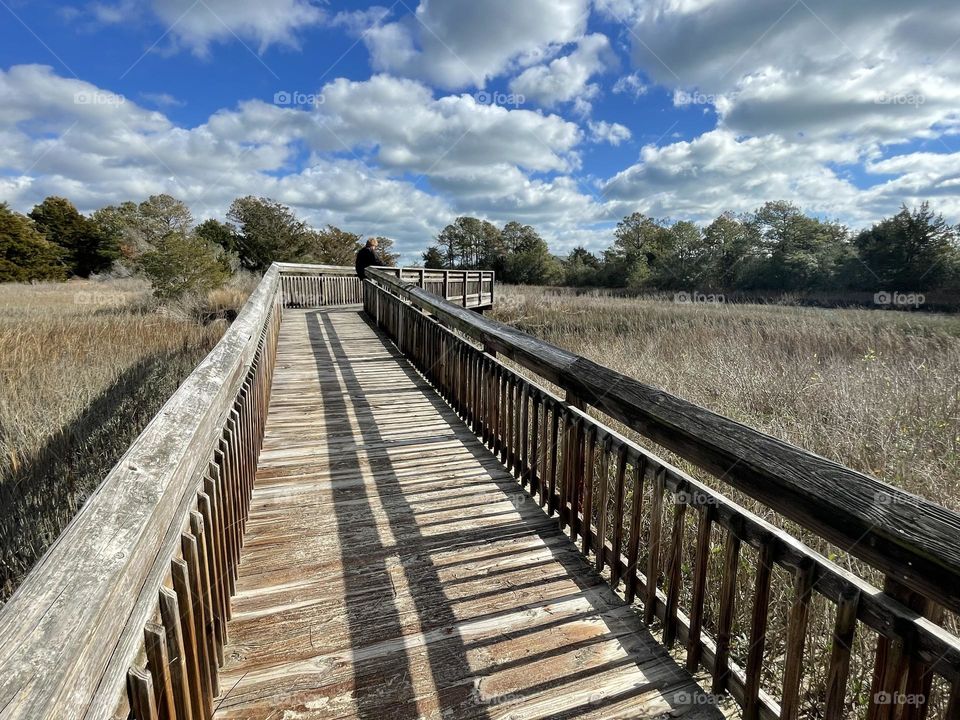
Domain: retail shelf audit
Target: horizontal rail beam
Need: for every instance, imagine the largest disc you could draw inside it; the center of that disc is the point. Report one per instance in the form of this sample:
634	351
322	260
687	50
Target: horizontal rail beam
910	538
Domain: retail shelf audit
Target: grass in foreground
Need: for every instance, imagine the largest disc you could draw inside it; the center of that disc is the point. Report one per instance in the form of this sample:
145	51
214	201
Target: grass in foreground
84	366
878	391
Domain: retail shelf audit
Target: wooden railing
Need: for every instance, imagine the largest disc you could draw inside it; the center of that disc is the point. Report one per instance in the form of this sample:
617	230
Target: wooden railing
309	286
468	288
630	510
126	613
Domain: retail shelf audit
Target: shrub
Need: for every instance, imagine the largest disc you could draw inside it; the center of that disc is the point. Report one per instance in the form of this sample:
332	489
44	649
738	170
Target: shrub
183	264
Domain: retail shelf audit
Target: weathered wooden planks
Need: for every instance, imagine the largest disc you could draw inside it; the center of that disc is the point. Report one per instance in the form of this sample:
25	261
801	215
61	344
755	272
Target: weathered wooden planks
393	568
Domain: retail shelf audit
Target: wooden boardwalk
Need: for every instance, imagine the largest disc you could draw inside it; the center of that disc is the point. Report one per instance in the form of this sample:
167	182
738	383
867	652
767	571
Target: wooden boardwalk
393	569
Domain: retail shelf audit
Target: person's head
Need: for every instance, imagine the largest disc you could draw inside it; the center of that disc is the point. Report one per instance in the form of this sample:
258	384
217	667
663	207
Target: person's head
372	243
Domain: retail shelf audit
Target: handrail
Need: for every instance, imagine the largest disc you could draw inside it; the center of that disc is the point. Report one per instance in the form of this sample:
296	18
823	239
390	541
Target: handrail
75	627
910	539
616	500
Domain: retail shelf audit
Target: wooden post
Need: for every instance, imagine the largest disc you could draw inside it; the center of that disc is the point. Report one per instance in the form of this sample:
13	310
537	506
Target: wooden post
839	668
653	549
758	631
728	594
143	703
158	663
796	639
170	616
694	648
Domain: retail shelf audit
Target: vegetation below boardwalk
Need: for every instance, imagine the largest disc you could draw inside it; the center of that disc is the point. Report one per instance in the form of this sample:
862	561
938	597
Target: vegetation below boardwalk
878	392
84	366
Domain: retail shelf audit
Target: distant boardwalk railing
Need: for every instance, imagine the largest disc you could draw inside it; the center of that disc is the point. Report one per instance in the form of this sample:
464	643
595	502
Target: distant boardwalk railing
309	286
629	509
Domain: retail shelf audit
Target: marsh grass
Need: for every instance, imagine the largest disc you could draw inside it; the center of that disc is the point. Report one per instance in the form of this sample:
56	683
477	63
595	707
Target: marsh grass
878	391
83	367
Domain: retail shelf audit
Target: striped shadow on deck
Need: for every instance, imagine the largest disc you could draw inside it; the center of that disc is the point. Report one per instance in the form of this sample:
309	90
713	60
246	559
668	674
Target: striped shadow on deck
393	569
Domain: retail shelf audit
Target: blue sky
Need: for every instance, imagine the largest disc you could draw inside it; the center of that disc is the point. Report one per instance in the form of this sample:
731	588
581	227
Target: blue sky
566	114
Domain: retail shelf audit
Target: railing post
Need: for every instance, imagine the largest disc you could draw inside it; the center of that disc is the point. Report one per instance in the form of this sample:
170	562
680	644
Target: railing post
898	675
446	284
464	288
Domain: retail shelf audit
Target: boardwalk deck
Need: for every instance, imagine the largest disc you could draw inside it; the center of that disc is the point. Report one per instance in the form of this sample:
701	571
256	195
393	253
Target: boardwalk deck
393	569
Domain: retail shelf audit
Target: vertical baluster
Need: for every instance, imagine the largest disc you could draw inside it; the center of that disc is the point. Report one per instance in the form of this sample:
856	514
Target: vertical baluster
553	444
563	472
603	480
158	664
142	699
758	630
206	595
501	415
228	513
212	489
893	663
197	673
586	531
485	391
170	617
796	639
702	557
208	667
636	519
728	593
525	434
535	447
616	565
674	571
496	420
511	422
844	629
653	550
228	474
576	478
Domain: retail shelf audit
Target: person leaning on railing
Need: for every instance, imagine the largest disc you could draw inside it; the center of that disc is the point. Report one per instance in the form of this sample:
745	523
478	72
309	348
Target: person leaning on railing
367	257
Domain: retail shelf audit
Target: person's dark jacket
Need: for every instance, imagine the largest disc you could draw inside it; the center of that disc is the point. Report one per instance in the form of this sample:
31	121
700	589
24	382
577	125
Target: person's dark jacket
365	258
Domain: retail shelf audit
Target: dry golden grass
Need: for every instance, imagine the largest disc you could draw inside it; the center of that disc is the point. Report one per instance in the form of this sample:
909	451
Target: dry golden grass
83	367
878	391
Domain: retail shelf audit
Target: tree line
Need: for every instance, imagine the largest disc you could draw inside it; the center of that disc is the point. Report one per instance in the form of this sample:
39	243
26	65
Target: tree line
159	239
775	248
